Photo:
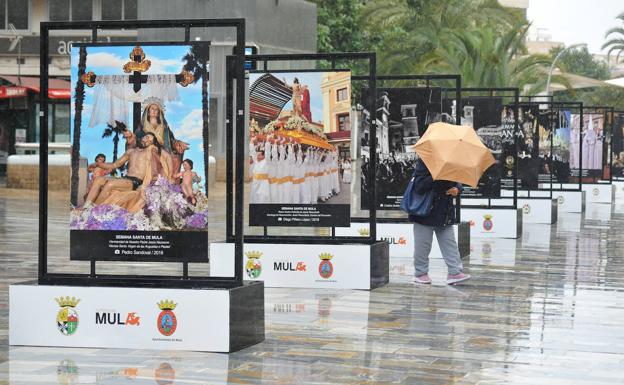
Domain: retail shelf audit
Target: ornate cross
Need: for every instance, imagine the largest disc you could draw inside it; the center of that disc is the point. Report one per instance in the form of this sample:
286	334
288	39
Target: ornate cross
136	66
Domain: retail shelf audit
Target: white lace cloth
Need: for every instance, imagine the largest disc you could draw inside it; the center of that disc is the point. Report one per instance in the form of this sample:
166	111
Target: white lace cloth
113	93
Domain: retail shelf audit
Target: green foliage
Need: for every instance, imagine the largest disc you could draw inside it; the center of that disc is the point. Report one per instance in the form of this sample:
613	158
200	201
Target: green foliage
615	44
478	39
579	61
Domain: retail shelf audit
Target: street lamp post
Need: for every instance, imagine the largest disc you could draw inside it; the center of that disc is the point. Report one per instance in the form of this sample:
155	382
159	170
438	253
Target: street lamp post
552	66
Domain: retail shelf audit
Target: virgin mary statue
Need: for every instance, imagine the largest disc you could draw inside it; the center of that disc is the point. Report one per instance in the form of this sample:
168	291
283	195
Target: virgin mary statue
153	120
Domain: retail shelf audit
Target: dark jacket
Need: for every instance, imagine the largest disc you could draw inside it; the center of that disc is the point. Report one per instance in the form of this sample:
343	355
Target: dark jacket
443	207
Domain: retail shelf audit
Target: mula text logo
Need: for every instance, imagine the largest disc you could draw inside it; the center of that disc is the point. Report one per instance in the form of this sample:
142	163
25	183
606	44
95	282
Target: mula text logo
289	266
394	241
111	318
253	267
326	269
167	322
67	316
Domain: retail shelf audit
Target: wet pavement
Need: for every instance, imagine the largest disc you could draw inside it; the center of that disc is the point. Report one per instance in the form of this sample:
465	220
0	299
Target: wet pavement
547	308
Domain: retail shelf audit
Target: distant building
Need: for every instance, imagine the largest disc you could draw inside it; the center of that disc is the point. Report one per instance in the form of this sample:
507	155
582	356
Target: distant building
336	91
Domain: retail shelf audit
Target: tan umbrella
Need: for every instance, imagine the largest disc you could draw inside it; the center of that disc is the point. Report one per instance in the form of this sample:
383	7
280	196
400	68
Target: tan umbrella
454	153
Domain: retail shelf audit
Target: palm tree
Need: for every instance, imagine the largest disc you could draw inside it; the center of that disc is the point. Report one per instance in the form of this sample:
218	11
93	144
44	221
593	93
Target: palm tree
486	58
197	64
410	31
615	44
78	102
114	131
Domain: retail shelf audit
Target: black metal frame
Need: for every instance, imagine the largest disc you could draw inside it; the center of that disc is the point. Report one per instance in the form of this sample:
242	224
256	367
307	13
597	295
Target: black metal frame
427	79
94	279
559	106
606	111
615	113
515	94
332	59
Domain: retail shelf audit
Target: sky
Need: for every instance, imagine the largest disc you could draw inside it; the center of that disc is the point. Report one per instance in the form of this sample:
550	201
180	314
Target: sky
184	115
576	21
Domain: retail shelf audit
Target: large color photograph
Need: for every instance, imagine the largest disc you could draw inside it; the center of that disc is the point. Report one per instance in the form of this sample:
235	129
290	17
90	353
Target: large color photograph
561	148
591	146
403	115
139	121
299	150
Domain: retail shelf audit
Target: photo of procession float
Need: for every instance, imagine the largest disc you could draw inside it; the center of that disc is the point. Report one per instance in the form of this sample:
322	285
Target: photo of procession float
300	134
145	176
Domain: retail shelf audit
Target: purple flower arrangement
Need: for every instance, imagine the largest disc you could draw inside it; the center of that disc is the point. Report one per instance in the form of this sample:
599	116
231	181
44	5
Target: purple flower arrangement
165	209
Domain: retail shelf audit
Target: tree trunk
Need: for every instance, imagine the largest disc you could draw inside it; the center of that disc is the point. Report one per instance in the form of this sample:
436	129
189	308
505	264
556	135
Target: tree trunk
205	133
80	94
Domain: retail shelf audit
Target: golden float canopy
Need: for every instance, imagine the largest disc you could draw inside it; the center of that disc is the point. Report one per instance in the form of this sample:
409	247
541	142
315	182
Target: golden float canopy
306	138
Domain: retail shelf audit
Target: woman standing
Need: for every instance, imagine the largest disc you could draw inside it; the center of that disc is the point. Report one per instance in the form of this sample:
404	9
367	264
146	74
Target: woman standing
440	220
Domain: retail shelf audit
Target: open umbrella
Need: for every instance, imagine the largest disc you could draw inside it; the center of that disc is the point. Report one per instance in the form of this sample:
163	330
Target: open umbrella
454	153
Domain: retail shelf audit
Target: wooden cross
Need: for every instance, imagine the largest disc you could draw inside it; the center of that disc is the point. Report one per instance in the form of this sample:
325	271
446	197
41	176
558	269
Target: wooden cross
137	65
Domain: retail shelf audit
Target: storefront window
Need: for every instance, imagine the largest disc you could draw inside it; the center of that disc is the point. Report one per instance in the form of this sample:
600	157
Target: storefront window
14	12
59	10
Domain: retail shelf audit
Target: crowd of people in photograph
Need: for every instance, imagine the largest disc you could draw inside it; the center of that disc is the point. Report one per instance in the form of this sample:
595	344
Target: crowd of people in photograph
284	171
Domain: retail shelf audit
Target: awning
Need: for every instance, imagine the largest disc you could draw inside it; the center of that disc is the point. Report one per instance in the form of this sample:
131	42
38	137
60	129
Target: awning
575	81
57	88
618	82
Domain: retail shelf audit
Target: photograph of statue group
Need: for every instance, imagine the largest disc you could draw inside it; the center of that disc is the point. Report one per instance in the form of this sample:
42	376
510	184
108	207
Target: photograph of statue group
299	148
136	172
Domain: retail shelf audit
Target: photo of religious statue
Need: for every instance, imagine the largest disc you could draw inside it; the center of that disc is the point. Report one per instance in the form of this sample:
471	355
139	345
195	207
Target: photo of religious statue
140	132
299	142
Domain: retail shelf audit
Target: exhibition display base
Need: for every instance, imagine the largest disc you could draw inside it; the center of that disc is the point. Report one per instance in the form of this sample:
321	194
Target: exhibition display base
400	237
209	320
493	222
598	193
567	201
336	266
538	211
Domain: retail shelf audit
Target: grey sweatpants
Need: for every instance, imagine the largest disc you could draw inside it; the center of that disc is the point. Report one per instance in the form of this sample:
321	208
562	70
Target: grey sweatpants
423	236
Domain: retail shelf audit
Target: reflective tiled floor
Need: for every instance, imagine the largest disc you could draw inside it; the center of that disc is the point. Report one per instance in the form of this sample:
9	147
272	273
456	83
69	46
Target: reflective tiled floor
545	309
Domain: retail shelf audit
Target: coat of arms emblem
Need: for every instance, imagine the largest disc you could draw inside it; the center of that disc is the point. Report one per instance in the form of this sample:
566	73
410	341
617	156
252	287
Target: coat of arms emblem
326	269
67	316
487	222
253	267
167	321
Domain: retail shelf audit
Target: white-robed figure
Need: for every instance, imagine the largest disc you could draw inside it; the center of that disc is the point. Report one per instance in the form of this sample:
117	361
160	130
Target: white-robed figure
306	185
298	174
273	170
597	159
346	174
575	142
281	173
589	145
260	190
335	176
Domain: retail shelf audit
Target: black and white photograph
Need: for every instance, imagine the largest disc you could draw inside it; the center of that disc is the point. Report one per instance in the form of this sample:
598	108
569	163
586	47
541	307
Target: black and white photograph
402	116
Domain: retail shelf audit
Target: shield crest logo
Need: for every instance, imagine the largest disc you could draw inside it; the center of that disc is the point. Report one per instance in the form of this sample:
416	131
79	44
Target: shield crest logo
67	316
326	268
253	267
167	322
